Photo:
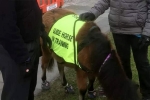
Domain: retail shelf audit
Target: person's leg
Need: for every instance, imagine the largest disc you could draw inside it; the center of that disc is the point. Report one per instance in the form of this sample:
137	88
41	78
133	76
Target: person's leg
15	87
35	58
143	67
122	44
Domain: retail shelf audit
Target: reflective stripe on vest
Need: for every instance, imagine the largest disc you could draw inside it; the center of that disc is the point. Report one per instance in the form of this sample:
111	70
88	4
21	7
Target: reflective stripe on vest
62	38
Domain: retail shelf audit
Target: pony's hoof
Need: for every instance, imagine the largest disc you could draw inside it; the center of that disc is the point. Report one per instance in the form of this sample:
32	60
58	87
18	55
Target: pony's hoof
92	94
69	89
45	85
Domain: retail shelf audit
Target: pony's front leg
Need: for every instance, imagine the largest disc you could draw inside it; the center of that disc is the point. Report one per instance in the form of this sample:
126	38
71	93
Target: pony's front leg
91	92
82	83
43	73
68	87
62	74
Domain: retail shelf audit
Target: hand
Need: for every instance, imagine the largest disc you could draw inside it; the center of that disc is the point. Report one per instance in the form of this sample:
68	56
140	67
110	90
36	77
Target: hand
87	16
144	41
26	68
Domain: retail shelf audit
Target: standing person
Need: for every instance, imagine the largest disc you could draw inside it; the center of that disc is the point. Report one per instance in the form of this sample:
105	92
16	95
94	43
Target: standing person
20	23
129	22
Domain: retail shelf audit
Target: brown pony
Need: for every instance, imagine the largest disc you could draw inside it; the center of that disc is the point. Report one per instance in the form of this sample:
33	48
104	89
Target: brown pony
95	56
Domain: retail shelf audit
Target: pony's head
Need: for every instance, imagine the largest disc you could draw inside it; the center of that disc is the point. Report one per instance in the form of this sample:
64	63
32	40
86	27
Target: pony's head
93	47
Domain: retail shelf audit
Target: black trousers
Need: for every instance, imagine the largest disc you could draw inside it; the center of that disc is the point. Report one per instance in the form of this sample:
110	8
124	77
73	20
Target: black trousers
34	47
15	86
124	43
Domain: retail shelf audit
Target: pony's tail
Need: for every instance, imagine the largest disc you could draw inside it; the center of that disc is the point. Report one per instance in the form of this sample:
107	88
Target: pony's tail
51	63
46	43
115	83
46	40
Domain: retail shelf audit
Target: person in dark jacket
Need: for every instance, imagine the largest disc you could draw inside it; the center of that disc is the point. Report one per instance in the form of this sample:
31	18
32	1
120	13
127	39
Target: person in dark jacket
129	22
20	23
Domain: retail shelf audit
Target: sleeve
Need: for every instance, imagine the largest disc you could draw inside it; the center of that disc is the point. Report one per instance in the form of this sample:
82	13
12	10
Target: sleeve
100	7
146	29
10	37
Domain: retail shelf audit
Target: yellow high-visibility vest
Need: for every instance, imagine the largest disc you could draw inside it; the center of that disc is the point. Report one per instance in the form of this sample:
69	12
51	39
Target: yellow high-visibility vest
63	40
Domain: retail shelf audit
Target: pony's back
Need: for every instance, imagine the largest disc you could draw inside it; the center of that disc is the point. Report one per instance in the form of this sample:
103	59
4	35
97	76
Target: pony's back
50	17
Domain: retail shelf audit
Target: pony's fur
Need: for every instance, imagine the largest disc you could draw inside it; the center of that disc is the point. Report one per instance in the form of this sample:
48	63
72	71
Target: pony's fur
94	48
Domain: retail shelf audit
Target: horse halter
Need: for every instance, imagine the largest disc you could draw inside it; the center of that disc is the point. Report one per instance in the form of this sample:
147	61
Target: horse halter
88	70
106	59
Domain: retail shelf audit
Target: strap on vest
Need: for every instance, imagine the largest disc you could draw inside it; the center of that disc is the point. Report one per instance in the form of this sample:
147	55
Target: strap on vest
74	41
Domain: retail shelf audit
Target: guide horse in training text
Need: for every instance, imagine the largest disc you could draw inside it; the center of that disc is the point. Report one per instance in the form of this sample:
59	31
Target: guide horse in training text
91	55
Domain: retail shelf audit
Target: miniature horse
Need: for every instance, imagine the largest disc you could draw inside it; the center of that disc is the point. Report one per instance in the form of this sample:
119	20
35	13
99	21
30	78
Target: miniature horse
95	57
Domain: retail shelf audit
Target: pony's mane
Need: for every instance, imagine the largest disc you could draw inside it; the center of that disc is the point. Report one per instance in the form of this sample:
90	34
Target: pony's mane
112	77
101	49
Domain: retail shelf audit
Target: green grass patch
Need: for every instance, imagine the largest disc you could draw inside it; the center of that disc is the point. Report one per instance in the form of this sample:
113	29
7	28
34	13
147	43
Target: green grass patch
57	90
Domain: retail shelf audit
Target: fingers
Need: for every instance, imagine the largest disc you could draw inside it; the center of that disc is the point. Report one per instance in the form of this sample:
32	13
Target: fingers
87	16
83	16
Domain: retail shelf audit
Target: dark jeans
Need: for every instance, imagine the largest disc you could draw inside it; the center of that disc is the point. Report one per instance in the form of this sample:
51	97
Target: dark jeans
15	86
124	43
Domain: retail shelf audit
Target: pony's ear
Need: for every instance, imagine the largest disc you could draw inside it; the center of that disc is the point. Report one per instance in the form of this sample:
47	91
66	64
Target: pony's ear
94	28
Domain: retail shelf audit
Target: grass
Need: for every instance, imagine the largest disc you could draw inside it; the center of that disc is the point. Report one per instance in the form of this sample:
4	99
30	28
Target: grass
57	91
